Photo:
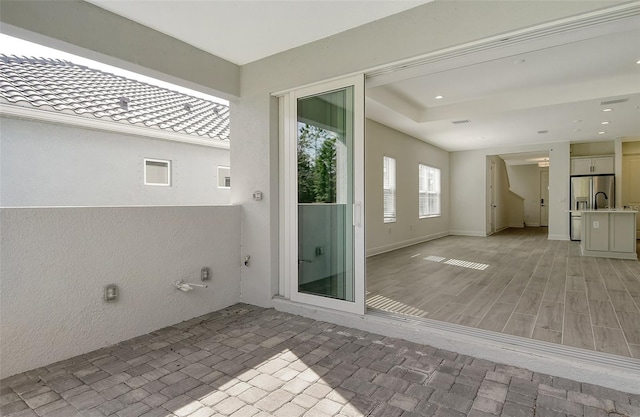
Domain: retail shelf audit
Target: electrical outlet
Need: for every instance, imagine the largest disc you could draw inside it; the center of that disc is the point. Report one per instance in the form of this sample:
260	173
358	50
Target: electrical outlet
205	274
596	225
111	293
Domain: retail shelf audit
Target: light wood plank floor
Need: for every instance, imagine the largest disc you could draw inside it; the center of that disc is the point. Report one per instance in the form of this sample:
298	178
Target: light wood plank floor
515	282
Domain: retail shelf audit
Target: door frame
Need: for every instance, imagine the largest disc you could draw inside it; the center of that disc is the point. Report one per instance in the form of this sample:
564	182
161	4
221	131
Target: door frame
288	283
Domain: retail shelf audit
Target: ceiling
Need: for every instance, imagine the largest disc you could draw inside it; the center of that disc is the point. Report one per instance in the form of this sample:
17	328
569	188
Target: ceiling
542	90
242	31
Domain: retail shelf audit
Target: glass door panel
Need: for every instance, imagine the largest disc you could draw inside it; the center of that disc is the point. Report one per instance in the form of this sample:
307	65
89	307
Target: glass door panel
325	194
322	177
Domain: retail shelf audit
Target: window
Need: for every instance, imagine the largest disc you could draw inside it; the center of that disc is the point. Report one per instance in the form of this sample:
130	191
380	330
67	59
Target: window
429	191
224	177
157	172
389	187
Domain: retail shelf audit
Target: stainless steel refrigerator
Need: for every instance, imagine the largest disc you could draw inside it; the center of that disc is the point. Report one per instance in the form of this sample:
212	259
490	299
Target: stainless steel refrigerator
589	192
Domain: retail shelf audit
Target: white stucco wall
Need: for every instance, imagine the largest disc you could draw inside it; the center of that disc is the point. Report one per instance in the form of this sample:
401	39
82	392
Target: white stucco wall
55	262
408	152
48	164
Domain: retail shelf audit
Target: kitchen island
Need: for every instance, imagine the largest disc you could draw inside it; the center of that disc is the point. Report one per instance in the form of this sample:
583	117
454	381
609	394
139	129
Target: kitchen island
609	233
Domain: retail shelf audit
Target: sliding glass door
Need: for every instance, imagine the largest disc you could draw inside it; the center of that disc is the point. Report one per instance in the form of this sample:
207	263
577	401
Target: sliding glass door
324	243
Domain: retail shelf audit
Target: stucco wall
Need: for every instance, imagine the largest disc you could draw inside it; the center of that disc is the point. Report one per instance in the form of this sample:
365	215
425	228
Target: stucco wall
55	262
47	164
408	152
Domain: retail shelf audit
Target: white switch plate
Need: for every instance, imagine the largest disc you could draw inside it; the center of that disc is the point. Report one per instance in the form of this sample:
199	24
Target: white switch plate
596	225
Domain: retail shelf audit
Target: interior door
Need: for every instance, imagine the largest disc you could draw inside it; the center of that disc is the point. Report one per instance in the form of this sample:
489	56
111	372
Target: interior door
544	198
324	190
492	200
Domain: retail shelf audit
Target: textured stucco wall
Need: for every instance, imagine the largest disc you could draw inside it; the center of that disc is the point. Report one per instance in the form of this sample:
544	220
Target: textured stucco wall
54	263
47	164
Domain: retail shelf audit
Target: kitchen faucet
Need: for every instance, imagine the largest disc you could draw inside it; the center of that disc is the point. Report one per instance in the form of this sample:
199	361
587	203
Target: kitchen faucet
595	199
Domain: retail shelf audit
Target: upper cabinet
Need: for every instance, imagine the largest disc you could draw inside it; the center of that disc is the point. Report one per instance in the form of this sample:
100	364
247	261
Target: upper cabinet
592	165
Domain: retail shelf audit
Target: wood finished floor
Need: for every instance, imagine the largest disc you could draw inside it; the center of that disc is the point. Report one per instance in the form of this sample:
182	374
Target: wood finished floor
515	282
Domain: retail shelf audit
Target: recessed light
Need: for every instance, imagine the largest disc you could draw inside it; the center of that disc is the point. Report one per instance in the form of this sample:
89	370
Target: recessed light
601	133
439	97
638	61
519	61
577	121
604	123
607	109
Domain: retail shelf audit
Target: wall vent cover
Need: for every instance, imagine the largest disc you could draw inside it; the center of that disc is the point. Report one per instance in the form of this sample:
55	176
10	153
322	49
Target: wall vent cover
460	122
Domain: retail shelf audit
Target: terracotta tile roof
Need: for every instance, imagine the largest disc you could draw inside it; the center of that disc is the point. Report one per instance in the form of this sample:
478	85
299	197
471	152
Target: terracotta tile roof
63	86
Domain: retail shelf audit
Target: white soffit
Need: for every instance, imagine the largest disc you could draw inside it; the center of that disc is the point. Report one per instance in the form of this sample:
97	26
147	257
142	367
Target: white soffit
243	31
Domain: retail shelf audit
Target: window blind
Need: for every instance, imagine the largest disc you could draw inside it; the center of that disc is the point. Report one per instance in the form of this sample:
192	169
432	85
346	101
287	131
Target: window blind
389	187
428	191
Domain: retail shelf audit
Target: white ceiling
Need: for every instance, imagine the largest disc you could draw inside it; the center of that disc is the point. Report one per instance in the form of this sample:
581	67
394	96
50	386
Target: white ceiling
539	94
242	31
509	94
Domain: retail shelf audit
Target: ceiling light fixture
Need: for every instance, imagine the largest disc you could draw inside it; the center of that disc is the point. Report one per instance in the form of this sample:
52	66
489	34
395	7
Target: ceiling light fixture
607	109
638	61
601	133
544	164
604	123
439	97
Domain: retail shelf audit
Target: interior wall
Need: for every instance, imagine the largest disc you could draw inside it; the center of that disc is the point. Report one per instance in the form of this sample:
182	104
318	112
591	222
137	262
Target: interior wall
525	181
408	152
469	188
48	164
55	263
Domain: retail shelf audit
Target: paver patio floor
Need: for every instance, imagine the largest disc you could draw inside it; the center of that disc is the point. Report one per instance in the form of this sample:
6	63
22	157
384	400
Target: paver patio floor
249	361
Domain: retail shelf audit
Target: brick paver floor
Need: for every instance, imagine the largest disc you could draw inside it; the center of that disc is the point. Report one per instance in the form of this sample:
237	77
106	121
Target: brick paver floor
250	361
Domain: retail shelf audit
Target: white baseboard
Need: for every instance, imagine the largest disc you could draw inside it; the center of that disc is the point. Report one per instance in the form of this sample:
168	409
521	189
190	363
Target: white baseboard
517	225
501	228
467	233
527	224
403	244
558	237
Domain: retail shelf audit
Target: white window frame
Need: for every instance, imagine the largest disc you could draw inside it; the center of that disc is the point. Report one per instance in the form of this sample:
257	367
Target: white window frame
423	191
157	184
392	189
221	183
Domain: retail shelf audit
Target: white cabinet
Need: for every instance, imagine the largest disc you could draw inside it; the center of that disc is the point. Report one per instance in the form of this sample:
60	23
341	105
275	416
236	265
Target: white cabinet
592	165
609	234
